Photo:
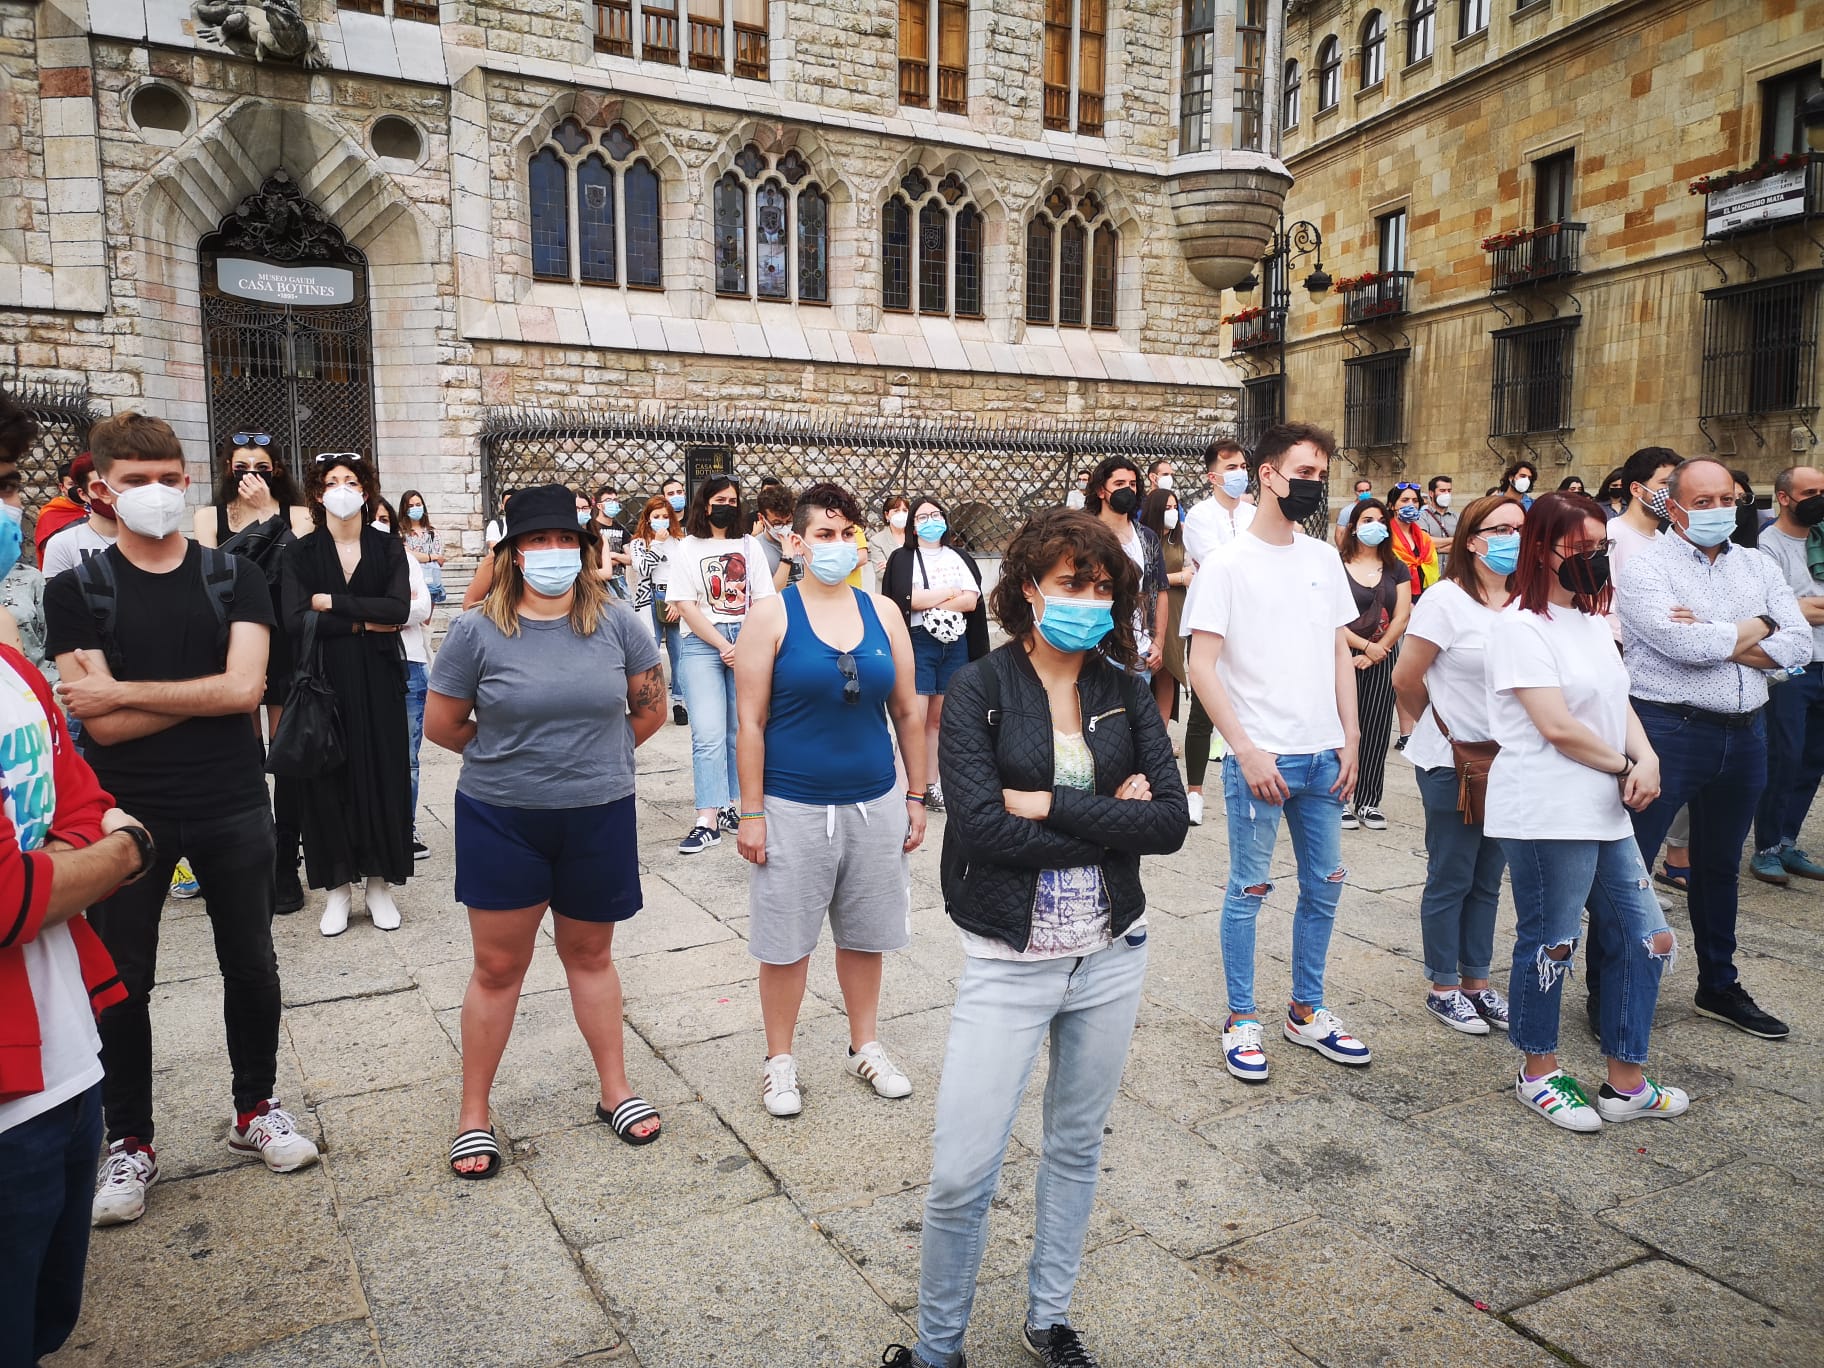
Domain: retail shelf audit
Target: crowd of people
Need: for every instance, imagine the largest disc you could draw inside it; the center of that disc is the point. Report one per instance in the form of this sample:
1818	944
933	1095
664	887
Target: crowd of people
1575	681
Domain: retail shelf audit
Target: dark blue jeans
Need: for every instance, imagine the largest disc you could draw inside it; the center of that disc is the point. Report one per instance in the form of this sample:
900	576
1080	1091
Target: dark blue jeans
1795	757
47	1178
1462	885
1719	772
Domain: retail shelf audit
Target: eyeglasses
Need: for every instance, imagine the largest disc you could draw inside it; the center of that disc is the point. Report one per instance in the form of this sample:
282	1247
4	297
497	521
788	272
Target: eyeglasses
1495	529
325	457
241	439
851	686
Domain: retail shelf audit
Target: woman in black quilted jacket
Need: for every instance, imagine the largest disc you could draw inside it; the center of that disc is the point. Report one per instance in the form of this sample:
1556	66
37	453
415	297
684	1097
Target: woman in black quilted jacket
1059	776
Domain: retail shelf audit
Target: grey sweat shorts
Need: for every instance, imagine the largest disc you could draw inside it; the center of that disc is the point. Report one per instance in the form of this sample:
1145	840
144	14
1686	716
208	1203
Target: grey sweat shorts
846	861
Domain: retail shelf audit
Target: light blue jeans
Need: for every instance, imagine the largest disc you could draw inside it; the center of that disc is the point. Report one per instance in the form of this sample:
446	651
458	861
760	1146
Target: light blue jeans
709	696
1314	815
1552	882
1005	1010
1462	885
417	680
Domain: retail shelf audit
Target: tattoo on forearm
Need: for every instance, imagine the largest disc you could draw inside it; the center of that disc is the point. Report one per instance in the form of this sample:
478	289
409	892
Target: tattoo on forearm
646	690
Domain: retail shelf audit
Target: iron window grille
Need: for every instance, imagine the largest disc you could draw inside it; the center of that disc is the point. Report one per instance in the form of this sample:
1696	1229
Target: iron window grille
1761	348
1263	404
1533	371
63	416
1266	329
1374	393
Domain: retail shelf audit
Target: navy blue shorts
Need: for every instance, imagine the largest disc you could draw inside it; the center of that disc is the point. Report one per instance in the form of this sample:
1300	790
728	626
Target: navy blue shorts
583	861
935	662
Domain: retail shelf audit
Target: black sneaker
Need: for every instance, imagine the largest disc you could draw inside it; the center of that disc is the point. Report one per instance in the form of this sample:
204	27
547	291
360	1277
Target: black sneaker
1058	1347
678	716
1733	1005
420	851
729	819
287	892
701	838
898	1356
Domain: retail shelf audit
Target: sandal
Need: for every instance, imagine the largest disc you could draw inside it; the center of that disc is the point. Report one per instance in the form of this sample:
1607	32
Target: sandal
476	1144
625	1117
1674	876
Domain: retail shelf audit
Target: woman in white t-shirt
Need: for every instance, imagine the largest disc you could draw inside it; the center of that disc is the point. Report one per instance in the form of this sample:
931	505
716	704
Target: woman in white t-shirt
1442	677
651	549
1573	761
716	575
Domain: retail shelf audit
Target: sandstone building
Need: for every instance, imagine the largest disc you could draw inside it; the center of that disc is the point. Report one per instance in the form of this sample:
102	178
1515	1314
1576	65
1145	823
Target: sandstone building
1512	201
788	228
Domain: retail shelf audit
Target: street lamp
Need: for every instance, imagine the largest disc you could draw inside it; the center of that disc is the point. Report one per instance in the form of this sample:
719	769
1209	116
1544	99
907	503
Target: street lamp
1292	242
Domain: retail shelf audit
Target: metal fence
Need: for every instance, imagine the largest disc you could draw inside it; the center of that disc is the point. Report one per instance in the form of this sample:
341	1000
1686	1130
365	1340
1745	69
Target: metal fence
63	415
990	477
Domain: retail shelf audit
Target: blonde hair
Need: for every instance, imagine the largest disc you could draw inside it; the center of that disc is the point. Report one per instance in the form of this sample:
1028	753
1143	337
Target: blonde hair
587	608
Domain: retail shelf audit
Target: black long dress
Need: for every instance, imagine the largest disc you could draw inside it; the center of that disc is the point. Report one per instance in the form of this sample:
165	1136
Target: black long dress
358	821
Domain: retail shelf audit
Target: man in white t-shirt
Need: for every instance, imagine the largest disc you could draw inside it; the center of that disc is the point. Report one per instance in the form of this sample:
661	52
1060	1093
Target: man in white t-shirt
77	542
1213	523
1270	660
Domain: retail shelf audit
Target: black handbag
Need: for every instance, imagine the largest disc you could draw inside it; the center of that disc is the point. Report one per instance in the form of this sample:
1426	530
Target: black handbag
308	743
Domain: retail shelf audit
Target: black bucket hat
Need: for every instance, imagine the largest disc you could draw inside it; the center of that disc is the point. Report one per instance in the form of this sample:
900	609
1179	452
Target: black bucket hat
540	508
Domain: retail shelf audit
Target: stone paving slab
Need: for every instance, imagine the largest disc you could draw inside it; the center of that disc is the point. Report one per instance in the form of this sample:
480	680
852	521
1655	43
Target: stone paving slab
368	1043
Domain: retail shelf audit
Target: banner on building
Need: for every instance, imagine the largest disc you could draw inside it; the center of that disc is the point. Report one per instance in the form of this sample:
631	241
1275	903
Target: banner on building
1772	199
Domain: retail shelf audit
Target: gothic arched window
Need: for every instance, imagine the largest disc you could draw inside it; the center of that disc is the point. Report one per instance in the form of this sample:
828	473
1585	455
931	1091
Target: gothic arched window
596	191
756	203
931	235
1073	257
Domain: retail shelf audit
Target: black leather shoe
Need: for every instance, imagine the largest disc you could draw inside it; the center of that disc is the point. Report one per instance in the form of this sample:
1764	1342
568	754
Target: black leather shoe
1734	1006
287	892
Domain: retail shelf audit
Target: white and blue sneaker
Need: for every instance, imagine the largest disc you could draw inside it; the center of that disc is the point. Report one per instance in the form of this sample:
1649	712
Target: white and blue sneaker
1325	1034
1241	1051
1456	1011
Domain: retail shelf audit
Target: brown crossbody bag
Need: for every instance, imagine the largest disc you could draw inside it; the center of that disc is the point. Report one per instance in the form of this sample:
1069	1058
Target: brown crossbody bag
1472	760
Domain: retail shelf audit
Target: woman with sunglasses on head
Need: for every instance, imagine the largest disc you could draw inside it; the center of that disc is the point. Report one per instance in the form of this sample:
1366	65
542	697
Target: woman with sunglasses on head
1574	759
1060	777
1383	601
1442	679
349	582
717	575
820	668
651	548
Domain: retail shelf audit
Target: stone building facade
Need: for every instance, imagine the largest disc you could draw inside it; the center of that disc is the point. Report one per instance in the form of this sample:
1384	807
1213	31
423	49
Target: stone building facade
374	223
1517	180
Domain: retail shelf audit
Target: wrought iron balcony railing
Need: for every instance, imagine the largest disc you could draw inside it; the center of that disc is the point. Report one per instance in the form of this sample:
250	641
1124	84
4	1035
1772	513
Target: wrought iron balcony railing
1380	294
1532	256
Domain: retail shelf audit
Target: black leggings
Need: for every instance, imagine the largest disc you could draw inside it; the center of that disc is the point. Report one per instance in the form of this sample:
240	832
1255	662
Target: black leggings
1199	734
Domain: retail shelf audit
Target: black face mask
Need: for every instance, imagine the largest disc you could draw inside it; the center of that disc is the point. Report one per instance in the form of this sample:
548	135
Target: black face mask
1301	499
1587	574
723	515
1123	501
1809	512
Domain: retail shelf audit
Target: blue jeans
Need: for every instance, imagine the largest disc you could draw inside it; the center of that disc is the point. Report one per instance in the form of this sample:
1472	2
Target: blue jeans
709	694
1795	757
417	678
1005	1011
1720	773
668	633
1553	880
1314	815
47	1179
1462	885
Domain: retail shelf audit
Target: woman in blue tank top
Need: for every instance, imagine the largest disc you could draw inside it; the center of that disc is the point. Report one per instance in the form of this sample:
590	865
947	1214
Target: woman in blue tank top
819	670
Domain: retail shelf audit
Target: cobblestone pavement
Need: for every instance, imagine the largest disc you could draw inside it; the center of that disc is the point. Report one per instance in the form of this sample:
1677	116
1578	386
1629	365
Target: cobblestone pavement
1405	1213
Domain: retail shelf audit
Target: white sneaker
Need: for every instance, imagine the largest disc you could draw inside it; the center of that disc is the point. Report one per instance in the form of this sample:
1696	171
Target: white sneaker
1241	1052
1559	1098
1655	1100
381	908
335	912
779	1086
126	1173
1349	819
272	1133
870	1063
1325	1034
1194	801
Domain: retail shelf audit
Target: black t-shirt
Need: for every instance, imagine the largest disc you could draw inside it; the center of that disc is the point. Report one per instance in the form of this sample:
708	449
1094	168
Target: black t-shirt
165	628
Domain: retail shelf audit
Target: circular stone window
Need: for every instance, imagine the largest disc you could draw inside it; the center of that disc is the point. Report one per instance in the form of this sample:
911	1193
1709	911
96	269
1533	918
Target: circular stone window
159	108
396	139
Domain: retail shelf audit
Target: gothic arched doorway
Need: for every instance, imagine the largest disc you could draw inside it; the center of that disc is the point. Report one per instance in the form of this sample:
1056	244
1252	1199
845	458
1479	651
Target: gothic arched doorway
286	329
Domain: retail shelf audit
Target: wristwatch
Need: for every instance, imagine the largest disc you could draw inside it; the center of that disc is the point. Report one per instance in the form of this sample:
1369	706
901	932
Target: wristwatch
142	840
1772	622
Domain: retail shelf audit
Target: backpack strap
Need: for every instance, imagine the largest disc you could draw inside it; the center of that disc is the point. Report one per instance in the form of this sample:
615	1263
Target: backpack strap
100	595
218	580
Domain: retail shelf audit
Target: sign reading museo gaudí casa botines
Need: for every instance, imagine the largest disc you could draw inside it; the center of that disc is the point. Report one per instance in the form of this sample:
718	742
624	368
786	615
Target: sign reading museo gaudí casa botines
296	282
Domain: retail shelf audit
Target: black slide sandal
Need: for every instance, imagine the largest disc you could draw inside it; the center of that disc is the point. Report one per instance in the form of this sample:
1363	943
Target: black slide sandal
625	1117
476	1144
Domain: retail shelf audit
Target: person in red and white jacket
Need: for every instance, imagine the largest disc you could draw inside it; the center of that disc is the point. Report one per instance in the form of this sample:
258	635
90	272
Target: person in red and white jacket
63	846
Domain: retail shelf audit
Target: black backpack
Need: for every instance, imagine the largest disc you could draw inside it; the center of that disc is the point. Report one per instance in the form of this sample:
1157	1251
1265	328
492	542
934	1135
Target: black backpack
100	594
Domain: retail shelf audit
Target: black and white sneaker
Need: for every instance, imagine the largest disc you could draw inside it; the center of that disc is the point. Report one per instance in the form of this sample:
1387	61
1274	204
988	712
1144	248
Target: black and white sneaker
729	819
700	839
1058	1347
1734	1006
898	1356
934	798
1350	821
420	851
679	717
1371	818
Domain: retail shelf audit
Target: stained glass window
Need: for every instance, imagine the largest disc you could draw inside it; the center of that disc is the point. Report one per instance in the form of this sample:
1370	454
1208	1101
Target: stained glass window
619	142
1073	251
813	245
595	221
1084	288
570	136
640	191
1102	279
772	238
549	182
731	235
896	255
933	258
1038	269
968	262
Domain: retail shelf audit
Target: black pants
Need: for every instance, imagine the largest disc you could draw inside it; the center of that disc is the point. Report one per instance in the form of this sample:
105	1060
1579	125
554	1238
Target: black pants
1199	734
47	1180
231	856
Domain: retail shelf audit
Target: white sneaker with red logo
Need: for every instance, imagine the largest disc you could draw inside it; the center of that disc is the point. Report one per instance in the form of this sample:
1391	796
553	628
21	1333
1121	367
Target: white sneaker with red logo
272	1133
126	1173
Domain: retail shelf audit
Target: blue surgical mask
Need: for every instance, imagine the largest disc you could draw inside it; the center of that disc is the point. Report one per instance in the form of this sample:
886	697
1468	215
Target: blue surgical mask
11	540
582	517
1235	483
1371	533
1709	526
661	524
552	570
932	529
1363	495
1503	553
1407	513
833	562
1075	624
612	508
416	514
677	503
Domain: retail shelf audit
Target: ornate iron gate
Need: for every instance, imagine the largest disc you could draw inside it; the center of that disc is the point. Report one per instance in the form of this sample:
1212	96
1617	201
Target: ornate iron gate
63	415
302	372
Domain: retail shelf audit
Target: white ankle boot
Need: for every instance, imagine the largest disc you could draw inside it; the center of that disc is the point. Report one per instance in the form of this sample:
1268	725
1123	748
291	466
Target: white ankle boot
380	905
335	912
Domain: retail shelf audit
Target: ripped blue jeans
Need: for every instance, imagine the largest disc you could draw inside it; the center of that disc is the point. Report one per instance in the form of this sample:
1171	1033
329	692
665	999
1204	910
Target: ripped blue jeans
1314	816
1553	881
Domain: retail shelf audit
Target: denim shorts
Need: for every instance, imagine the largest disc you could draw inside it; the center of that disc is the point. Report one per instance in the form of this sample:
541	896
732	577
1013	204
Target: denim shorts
936	662
583	861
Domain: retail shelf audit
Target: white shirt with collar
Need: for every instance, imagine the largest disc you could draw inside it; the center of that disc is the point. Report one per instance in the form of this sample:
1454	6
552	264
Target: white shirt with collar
1208	528
1687	663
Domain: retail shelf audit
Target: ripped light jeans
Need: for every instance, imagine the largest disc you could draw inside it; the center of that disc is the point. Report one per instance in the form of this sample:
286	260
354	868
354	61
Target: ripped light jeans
1553	880
1314	815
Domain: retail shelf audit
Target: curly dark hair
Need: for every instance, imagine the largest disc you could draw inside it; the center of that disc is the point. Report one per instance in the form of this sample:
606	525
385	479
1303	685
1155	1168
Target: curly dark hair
1063	534
363	470
828	497
17	430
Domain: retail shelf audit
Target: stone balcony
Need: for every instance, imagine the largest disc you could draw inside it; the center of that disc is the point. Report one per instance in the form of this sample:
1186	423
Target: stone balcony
1226	206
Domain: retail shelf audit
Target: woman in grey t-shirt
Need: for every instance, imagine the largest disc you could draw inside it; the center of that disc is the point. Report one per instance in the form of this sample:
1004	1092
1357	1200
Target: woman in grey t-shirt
545	690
